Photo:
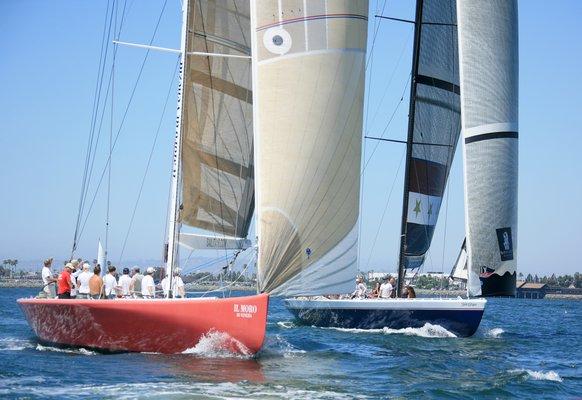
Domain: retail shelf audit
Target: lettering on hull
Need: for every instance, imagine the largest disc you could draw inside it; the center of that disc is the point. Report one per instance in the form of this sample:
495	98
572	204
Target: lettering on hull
244	310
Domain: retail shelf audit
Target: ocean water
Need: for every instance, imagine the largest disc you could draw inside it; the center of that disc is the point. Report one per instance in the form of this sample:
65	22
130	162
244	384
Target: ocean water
528	349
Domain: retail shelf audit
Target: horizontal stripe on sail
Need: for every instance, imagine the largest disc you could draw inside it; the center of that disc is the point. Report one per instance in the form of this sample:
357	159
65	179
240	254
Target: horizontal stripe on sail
312	18
427	177
423	209
418	239
492	135
438	83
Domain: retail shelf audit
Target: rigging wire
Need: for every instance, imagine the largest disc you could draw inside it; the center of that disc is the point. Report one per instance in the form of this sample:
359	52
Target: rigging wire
149	160
385	209
120	129
96	102
110	142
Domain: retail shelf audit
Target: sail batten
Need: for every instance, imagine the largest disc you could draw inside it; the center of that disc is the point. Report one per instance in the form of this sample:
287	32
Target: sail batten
309	60
217	144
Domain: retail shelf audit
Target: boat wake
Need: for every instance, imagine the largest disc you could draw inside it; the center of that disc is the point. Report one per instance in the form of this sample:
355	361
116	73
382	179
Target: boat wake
538	375
216	344
494	333
13	344
286	324
277	344
426	331
80	350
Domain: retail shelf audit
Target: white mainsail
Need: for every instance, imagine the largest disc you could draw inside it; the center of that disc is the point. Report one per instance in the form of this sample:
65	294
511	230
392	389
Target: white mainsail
217	141
488	52
308	85
214	191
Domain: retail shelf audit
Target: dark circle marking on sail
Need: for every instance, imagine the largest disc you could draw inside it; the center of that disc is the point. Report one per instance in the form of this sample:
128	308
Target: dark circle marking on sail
277	40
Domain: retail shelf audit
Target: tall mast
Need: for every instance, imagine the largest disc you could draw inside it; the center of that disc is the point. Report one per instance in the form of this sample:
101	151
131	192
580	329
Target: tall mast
417	30
256	158
173	224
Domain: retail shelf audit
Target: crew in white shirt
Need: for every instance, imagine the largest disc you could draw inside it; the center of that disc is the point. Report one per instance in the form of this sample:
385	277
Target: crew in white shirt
360	292
165	284
74	274
48	279
178	284
148	287
124	282
386	288
83	282
110	283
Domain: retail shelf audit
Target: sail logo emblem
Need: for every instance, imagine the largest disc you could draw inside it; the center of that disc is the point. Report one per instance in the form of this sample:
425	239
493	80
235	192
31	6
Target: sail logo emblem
505	244
244	310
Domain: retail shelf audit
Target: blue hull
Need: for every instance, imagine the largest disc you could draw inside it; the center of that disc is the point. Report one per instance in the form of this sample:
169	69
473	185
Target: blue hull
462	323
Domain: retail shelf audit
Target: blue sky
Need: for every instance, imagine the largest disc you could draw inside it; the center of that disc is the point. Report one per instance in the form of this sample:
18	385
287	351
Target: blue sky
48	68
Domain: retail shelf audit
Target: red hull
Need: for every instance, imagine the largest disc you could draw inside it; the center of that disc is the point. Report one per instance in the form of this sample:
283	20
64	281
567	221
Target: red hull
162	326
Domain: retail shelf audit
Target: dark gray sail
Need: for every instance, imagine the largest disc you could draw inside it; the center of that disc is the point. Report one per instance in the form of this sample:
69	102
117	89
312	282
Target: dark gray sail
434	126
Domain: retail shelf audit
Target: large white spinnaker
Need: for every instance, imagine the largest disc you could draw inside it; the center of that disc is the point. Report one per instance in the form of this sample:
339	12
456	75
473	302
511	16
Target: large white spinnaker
308	85
488	52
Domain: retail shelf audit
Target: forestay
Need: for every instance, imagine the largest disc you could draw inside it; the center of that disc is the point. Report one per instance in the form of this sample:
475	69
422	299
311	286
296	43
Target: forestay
217	141
434	125
488	38
309	64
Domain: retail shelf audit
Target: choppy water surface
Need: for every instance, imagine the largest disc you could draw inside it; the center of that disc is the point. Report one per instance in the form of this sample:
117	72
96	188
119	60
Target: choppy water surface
523	349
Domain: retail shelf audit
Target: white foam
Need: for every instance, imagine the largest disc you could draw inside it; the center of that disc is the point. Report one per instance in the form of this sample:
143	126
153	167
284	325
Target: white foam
286	324
279	345
79	350
426	331
216	344
14	344
494	333
539	375
157	390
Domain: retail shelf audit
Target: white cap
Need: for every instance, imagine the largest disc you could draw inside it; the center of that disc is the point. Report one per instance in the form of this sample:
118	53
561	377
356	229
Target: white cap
150	270
86	266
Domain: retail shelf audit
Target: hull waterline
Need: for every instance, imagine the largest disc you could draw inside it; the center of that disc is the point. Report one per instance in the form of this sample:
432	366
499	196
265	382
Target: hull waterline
461	317
160	325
